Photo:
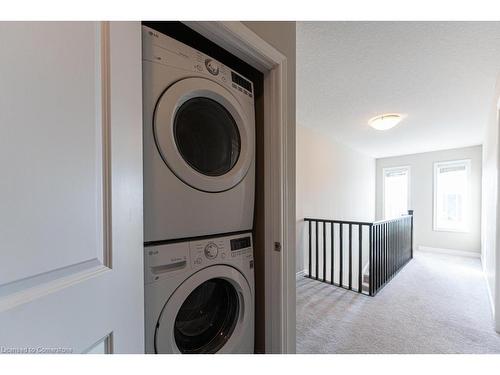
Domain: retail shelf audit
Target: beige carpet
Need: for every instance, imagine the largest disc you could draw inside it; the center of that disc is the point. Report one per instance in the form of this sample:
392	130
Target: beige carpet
436	304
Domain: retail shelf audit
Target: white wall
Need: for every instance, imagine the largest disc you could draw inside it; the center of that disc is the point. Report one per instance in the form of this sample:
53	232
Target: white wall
489	236
333	182
421	197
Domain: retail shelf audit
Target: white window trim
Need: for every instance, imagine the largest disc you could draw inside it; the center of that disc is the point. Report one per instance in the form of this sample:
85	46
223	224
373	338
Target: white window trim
391	169
437	165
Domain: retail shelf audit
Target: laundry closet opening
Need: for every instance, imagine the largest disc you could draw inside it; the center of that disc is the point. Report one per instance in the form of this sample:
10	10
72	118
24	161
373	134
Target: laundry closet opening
226	133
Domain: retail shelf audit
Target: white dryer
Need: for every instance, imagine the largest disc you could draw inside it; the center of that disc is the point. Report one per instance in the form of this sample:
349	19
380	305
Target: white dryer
200	296
199	143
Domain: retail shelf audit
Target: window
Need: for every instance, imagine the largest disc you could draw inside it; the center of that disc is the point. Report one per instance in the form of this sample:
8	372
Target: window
451	195
396	191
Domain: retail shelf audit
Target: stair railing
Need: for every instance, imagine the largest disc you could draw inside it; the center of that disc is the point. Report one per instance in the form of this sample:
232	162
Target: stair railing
358	256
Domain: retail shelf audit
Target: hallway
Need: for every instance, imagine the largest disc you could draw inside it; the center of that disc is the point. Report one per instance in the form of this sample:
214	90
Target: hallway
436	304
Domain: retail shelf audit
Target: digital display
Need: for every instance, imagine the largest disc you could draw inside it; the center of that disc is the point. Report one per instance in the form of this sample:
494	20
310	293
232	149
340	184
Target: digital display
240	243
239	80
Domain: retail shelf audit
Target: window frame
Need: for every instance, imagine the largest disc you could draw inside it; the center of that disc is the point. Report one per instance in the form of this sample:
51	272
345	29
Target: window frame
466	207
408	193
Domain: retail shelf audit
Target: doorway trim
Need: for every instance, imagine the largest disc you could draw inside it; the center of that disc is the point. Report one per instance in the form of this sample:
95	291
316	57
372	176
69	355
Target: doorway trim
279	175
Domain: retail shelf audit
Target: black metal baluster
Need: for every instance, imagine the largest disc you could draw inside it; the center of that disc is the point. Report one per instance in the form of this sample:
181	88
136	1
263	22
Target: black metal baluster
403	240
387	252
410	238
396	248
381	255
410	212
386	243
381	258
407	240
310	249
324	250
381	266
341	262
316	270
397	245
360	257
400	228
333	252
400	246
370	258
378	258
391	247
350	256
373	278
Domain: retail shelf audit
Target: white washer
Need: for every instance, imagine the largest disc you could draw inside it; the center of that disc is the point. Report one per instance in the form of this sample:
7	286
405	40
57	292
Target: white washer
199	296
199	143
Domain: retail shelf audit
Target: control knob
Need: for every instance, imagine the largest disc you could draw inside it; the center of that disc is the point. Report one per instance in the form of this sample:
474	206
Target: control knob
212	67
211	251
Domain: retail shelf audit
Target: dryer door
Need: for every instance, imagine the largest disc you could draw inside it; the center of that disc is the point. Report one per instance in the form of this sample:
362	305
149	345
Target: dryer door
211	312
203	134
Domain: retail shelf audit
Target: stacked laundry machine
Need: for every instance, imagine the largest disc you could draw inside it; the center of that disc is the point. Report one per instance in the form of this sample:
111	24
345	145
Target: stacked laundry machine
199	187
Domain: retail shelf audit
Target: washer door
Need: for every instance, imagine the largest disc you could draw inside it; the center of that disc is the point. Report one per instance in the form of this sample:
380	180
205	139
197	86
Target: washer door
203	134
207	313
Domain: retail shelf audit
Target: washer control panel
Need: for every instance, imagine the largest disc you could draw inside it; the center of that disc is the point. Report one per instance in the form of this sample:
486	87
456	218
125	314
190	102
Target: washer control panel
172	259
221	250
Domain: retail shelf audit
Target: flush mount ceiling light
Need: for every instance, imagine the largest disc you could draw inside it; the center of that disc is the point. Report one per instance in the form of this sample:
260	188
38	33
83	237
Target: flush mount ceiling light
386	121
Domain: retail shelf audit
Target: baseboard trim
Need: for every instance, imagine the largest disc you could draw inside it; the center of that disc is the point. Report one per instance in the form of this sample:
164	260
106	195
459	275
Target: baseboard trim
300	274
460	253
490	297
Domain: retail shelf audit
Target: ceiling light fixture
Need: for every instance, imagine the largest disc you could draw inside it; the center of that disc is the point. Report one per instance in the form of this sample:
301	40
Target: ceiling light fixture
385	122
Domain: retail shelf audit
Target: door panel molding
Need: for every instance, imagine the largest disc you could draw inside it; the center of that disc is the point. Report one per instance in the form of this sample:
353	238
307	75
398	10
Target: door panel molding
29	289
105	124
26	289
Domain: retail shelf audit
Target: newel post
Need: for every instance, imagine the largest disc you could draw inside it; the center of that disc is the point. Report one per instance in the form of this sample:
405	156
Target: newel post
410	212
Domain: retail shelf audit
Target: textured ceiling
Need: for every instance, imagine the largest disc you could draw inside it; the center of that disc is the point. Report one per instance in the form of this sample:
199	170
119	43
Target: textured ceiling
442	75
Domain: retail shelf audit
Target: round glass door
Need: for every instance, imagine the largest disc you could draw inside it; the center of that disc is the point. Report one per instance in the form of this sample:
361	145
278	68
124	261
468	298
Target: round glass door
204	134
207	136
207	317
210	312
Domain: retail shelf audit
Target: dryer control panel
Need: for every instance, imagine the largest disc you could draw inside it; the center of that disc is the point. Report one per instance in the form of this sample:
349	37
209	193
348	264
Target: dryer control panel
162	49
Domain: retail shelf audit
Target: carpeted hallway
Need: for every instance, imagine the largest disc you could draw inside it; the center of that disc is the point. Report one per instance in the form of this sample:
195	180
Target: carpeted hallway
436	304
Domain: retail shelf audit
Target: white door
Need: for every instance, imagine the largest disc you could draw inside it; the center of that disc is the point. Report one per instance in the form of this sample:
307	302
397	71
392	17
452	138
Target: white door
71	187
